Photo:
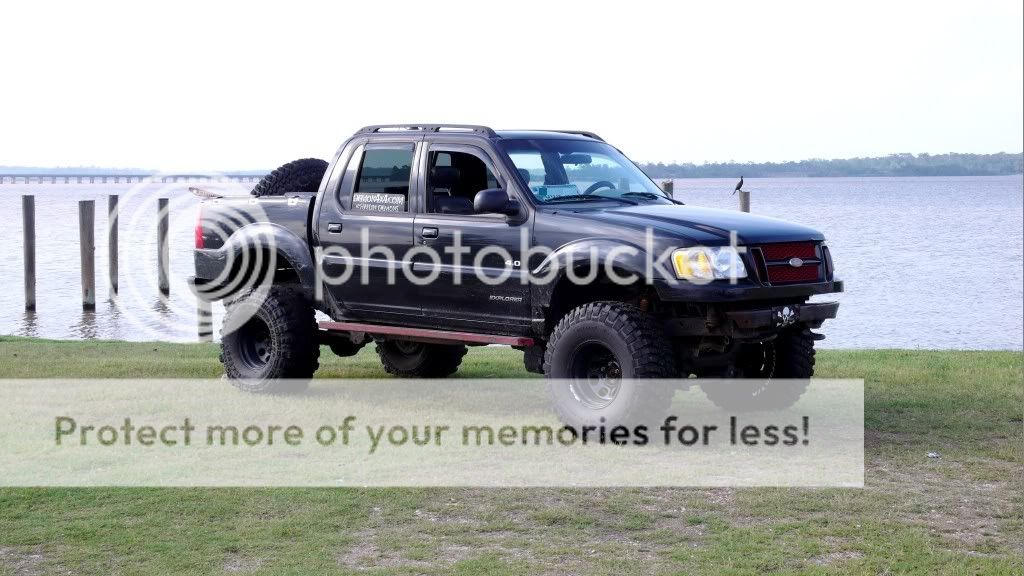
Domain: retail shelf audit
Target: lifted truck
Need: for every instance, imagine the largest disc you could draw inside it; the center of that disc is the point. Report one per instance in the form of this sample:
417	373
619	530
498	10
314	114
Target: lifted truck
731	299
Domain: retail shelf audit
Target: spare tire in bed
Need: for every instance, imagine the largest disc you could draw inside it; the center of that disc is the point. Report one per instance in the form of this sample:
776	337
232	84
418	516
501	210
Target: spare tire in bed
296	176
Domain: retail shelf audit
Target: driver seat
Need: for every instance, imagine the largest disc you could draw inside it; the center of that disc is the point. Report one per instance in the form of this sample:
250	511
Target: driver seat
443	179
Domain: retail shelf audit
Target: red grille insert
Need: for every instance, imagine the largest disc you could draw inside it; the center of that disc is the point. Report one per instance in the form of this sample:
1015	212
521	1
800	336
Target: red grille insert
784	274
787	250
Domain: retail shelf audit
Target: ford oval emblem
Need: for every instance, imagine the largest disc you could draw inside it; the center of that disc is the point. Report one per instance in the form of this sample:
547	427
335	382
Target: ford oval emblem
796	262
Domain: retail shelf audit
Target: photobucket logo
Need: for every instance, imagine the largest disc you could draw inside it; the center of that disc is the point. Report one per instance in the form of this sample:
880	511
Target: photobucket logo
451	259
170	311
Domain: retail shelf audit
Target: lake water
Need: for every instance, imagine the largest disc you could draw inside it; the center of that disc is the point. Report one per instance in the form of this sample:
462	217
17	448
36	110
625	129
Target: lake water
928	262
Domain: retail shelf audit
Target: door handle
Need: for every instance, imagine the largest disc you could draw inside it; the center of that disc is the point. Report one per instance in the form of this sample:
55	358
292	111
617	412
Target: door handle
429	232
334	227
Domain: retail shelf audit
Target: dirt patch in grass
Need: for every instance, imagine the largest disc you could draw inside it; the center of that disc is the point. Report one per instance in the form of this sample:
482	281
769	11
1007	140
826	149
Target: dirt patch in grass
836	557
241	565
21	563
874	439
432	538
419	552
942	496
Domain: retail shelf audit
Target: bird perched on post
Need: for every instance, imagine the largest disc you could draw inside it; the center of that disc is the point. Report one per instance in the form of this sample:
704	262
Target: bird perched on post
739	186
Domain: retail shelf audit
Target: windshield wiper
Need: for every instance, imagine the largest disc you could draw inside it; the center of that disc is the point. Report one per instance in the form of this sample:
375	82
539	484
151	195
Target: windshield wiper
652	196
586	197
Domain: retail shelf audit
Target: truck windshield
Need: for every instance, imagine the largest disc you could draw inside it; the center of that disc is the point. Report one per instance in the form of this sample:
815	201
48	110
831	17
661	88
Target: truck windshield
564	171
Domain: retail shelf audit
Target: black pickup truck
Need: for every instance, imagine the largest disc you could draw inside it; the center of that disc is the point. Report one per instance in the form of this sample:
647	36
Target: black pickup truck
427	239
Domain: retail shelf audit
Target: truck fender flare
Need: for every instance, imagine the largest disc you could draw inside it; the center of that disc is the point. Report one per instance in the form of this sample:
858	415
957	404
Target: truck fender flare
288	248
628	258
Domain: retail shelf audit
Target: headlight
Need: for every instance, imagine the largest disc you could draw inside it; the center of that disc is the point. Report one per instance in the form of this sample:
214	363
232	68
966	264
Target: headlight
704	264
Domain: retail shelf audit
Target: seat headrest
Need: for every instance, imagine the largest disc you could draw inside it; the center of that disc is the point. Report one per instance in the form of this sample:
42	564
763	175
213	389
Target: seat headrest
444	176
525	174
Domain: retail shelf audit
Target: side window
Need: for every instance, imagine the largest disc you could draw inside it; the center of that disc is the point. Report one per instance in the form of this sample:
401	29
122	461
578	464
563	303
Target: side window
453	180
383	181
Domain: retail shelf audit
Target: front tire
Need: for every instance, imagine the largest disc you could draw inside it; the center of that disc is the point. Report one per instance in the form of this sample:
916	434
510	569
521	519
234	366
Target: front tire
775	373
419	360
269	343
597	360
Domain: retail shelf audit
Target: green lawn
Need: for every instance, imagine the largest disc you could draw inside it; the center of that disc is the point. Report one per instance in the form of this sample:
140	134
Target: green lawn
962	513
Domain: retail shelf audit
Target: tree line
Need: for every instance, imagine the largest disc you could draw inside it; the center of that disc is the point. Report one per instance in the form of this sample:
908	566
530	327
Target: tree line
906	164
892	165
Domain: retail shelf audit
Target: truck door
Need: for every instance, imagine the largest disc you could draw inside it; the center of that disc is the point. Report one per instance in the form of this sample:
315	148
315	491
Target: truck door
476	258
365	234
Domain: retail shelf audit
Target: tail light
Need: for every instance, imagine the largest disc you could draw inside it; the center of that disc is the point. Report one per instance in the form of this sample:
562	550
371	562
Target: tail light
199	227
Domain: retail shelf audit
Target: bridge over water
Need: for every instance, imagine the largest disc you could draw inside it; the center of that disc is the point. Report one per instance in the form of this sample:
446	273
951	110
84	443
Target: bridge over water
159	178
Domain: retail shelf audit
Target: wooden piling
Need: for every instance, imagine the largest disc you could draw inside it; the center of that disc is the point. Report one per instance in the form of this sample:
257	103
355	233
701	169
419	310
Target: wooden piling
112	243
669	187
162	252
744	201
28	226
204	315
87	251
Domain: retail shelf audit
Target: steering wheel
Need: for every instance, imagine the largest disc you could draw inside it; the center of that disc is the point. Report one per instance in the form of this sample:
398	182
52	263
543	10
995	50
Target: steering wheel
597	186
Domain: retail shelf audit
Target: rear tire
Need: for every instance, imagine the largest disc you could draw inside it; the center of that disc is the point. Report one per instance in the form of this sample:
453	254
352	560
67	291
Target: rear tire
296	176
597	360
420	360
269	341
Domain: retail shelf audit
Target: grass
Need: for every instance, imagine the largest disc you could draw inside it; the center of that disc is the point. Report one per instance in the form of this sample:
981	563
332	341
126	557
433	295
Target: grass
959	514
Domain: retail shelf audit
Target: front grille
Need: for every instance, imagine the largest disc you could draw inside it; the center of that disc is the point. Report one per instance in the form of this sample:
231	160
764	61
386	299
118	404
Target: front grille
787	250
787	274
775	263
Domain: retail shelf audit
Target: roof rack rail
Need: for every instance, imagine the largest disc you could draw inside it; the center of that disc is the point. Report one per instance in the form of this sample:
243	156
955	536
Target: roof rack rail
581	133
378	128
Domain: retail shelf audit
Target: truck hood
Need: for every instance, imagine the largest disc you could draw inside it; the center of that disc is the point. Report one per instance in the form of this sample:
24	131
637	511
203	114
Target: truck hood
706	226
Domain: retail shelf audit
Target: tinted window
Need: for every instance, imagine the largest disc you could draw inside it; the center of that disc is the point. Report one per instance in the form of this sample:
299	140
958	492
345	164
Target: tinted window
383	183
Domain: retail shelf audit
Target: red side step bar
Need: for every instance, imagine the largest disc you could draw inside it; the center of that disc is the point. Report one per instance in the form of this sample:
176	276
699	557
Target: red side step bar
426	334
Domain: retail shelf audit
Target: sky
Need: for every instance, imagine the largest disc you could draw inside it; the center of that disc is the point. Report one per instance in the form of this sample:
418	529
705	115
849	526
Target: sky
237	85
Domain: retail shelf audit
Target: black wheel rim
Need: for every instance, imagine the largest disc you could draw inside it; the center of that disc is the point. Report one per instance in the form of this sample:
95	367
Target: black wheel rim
759	361
255	344
755	370
596	375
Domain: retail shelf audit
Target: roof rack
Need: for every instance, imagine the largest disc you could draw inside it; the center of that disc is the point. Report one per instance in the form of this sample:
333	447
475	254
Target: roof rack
581	133
378	128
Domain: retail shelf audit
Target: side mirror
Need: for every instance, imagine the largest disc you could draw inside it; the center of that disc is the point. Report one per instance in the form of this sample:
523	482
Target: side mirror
494	201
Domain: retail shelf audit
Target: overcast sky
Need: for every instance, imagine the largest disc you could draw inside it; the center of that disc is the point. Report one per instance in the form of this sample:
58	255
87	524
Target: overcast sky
221	85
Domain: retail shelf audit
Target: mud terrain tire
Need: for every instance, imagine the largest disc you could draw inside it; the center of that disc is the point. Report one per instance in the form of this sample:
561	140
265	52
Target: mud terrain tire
420	360
296	176
774	374
600	343
269	342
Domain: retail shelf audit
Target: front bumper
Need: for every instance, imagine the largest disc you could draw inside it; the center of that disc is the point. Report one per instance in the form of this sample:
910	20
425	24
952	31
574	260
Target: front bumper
778	317
724	292
754	323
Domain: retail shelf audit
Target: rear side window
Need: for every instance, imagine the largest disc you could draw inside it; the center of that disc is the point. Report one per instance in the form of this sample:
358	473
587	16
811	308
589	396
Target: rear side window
383	181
